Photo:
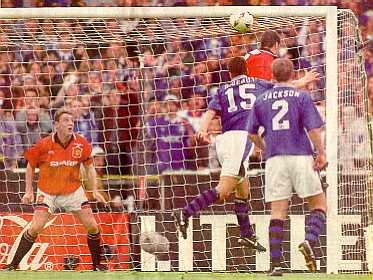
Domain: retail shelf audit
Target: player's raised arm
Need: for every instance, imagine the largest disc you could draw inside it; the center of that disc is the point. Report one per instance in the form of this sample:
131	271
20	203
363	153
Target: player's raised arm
28	197
309	77
258	141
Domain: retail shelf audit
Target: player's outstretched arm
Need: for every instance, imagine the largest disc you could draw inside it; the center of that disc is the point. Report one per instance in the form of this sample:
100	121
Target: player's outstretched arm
317	141
202	134
258	141
92	181
309	77
28	197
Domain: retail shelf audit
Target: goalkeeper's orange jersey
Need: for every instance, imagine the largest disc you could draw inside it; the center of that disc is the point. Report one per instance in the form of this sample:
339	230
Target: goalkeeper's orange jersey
59	167
259	64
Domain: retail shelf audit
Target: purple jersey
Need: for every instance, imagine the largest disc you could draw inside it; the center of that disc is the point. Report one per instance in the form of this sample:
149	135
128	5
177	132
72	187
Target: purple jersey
234	100
171	142
286	115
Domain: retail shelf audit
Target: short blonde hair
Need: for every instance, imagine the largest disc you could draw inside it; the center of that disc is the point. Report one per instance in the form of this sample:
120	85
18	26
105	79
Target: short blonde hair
282	69
60	112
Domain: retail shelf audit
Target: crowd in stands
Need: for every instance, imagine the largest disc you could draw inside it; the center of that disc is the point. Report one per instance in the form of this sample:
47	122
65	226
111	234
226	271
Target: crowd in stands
141	104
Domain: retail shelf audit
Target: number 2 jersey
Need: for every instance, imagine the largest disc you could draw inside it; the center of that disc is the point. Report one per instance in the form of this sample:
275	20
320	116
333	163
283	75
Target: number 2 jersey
286	115
234	100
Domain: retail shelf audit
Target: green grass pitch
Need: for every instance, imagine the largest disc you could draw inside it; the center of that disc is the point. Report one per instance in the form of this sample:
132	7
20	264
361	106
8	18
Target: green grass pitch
172	276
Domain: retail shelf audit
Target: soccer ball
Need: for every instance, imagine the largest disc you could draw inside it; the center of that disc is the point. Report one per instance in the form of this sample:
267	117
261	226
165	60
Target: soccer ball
241	22
153	242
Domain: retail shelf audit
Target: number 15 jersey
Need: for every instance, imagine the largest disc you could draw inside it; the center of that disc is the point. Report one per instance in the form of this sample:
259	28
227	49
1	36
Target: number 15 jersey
234	100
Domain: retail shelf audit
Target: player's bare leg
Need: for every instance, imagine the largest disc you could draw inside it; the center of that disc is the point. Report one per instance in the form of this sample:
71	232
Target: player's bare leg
39	219
247	234
227	184
315	225
86	217
276	234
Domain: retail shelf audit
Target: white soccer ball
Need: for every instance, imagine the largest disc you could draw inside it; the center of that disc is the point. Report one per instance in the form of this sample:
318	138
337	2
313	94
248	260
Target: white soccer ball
152	242
241	22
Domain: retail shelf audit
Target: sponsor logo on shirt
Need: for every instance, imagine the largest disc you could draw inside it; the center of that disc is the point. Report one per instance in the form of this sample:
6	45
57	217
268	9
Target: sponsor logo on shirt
63	163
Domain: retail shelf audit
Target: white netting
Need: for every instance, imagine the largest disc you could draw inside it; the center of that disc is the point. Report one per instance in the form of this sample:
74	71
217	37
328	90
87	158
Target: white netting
115	75
354	154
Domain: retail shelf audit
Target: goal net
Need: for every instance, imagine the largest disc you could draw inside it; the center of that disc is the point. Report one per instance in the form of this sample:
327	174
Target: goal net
138	81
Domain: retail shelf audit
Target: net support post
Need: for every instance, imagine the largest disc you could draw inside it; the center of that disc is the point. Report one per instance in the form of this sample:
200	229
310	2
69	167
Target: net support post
333	241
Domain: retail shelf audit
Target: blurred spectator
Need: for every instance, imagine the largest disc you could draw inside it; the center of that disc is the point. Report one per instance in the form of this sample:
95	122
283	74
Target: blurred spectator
95	86
6	57
368	55
214	130
101	3
370	94
316	58
196	106
69	90
369	26
119	131
10	142
78	3
200	75
145	152
210	46
64	47
126	3
51	81
49	34
153	110
57	3
354	150
84	119
8	4
171	137
33	3
30	99
217	72
31	122
44	101
176	55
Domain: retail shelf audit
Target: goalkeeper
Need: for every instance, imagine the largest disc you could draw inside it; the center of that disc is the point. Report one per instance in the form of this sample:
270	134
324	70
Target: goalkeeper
58	157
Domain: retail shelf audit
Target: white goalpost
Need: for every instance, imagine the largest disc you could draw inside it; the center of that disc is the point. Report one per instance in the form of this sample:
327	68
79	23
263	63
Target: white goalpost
115	68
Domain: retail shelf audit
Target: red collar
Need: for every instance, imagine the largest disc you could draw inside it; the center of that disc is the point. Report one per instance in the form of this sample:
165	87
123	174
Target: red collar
56	140
268	51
